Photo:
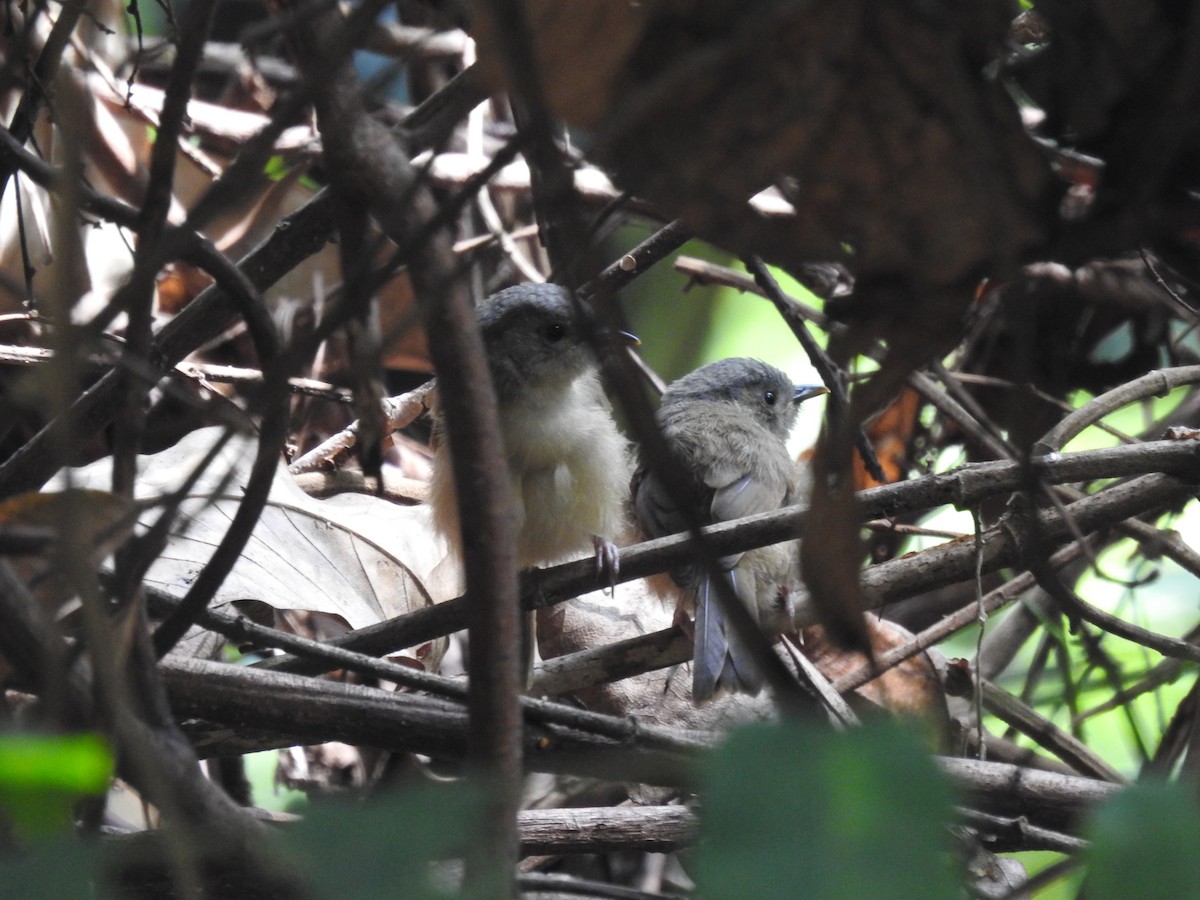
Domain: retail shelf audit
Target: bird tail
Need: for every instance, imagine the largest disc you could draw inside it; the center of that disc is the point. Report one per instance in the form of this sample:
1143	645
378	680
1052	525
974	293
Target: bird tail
721	661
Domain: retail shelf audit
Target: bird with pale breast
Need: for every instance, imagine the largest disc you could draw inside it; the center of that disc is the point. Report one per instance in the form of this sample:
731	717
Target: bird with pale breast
726	425
567	461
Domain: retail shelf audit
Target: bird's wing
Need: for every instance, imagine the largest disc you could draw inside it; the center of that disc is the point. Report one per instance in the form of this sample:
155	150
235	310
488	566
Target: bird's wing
655	510
659	517
737	493
721	660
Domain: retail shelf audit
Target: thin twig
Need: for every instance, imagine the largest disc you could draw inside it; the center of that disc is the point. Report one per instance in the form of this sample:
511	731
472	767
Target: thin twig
948	625
1176	303
831	375
20	127
1050	399
308	387
653	249
981	617
1153	384
1065	746
297	237
398	412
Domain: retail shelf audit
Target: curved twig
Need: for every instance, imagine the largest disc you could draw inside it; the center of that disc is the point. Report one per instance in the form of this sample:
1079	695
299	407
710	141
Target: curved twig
1153	384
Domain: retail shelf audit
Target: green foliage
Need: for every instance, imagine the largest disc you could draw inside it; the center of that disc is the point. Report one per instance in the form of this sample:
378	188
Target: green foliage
54	870
684	326
277	168
43	776
793	810
260	771
1144	844
389	846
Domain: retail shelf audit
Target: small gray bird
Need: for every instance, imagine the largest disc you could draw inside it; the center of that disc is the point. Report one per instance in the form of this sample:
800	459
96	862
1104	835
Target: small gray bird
726	424
568	463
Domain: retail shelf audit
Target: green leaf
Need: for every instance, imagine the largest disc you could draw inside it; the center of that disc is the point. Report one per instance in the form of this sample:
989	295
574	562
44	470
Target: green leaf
75	763
1144	844
43	776
385	847
794	810
53	870
277	168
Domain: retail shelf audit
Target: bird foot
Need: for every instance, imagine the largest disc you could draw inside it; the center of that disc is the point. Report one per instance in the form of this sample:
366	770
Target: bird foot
608	561
684	623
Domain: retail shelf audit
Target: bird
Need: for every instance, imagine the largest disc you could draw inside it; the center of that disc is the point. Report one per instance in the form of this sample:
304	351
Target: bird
726	425
568	463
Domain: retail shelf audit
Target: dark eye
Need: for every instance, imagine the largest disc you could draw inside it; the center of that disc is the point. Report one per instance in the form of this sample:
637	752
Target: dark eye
769	397
554	332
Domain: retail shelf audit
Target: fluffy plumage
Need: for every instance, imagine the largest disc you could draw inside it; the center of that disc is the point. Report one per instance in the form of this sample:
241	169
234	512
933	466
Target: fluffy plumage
727	424
568	463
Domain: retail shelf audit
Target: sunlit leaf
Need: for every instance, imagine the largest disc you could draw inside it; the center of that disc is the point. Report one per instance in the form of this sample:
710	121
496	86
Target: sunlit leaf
42	776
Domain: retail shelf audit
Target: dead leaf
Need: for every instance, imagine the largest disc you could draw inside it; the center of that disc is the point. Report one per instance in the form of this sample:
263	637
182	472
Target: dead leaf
890	434
87	524
353	556
583	47
911	689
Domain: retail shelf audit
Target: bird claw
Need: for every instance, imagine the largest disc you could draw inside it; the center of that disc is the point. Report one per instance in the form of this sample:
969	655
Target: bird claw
684	622
608	561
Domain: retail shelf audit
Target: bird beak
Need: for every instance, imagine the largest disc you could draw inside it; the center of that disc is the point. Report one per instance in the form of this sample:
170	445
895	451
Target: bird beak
630	339
804	392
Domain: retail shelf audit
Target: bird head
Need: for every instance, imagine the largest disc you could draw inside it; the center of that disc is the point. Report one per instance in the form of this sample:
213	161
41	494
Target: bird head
764	391
534	339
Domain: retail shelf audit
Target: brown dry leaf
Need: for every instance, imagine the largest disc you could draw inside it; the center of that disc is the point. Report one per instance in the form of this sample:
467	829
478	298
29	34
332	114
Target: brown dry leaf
178	284
882	116
582	50
83	526
890	434
405	345
87	524
354	556
116	145
910	690
92	517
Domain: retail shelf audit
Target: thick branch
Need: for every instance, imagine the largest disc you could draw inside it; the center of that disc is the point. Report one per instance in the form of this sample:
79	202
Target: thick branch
261	710
257	710
1153	384
1046	798
655	829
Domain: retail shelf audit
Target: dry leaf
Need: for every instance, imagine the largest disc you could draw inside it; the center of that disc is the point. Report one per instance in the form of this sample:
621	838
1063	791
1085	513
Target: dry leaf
84	523
354	556
890	433
912	689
